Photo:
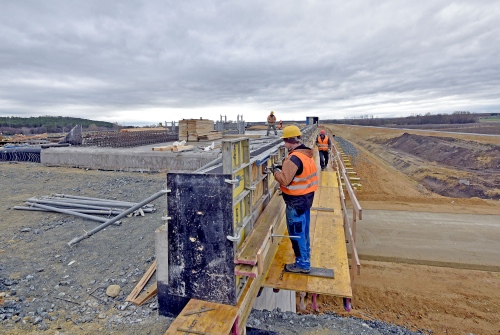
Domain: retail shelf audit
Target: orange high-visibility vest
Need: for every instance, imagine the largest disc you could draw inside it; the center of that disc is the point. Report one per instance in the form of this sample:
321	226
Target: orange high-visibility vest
323	143
307	181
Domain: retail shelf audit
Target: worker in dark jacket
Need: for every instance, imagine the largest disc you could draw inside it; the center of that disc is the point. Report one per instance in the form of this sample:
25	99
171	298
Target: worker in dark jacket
298	179
324	147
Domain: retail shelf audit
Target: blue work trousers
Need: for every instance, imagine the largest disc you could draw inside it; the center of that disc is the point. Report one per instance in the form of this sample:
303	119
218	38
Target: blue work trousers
298	225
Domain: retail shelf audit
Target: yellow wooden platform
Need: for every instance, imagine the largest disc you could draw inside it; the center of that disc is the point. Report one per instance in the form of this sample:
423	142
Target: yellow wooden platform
328	247
218	320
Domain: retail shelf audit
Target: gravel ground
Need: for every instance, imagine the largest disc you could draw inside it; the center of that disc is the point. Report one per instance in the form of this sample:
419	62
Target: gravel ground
48	286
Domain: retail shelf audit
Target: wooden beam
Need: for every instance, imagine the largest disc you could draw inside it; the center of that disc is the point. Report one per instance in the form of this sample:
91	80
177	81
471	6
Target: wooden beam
140	285
179	148
148	294
253	285
246	270
165	148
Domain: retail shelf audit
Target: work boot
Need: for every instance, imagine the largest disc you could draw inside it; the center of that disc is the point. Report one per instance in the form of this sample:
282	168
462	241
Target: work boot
295	268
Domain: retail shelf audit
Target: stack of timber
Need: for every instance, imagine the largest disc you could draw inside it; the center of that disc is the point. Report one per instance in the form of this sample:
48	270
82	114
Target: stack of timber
194	130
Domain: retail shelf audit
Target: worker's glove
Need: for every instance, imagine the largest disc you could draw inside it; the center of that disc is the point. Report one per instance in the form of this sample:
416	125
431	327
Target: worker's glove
275	168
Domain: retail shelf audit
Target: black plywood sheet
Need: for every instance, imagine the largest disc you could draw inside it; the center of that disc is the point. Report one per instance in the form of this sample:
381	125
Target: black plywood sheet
201	258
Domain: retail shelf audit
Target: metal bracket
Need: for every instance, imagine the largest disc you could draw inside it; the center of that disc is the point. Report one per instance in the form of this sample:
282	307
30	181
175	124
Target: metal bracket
234	238
232	181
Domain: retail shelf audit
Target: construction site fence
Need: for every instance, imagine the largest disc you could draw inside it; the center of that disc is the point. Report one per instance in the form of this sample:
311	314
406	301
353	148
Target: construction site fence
128	139
20	154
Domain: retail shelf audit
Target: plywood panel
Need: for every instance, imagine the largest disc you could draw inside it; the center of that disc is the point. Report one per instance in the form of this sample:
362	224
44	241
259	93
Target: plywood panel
220	320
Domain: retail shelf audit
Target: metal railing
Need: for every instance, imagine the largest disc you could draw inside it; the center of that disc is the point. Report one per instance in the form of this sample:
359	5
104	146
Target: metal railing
349	227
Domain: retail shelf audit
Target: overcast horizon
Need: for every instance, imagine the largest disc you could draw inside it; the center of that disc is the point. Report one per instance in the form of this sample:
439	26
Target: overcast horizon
145	62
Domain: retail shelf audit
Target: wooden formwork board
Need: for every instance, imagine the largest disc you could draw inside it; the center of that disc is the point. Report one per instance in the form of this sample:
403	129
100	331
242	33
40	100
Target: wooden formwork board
248	251
328	248
219	320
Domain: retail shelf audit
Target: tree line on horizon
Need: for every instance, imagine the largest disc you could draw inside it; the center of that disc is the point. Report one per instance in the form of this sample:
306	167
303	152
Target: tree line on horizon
11	125
458	117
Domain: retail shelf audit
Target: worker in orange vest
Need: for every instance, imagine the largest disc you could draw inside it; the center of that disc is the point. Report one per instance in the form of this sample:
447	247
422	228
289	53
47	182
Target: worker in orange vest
271	120
298	179
280	125
324	146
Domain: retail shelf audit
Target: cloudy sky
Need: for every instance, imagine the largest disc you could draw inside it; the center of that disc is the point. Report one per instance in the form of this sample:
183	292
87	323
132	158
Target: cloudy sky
144	62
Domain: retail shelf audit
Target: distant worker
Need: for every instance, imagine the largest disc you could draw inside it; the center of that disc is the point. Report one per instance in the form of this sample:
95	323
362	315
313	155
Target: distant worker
298	179
271	120
280	125
324	147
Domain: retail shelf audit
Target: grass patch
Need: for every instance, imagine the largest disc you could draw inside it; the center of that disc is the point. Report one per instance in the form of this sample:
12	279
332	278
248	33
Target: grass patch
490	119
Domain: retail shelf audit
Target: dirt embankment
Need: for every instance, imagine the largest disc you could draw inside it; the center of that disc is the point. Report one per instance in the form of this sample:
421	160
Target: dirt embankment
452	165
468	169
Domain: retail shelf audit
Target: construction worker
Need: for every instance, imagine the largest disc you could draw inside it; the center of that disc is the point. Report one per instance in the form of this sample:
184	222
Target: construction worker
324	146
271	120
298	179
280	125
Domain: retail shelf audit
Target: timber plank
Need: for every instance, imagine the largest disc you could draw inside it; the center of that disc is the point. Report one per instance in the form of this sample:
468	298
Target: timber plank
246	270
178	148
165	148
247	253
146	295
220	320
247	298
140	285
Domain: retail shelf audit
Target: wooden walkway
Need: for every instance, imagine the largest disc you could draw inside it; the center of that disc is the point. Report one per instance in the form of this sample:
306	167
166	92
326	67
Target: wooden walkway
328	247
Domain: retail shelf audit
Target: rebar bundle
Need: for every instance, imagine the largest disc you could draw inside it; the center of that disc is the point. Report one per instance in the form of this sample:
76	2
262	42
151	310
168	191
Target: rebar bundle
128	139
20	154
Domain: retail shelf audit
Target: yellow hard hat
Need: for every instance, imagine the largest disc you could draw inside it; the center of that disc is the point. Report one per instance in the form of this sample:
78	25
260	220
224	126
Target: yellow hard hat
291	131
272	112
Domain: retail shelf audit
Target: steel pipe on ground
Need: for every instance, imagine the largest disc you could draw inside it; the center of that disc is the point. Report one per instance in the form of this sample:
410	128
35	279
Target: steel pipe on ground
65	211
118	217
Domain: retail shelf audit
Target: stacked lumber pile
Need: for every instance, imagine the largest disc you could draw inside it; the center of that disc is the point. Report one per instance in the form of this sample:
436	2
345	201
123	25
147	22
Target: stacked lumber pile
195	130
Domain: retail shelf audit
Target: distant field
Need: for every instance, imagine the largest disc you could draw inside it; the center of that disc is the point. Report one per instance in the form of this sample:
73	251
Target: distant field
490	119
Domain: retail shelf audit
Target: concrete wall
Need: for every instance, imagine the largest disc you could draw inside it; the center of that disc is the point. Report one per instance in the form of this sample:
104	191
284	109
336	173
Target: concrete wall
125	159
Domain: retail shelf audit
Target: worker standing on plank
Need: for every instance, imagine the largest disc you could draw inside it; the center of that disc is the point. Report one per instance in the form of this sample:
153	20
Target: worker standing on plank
271	120
298	179
324	147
